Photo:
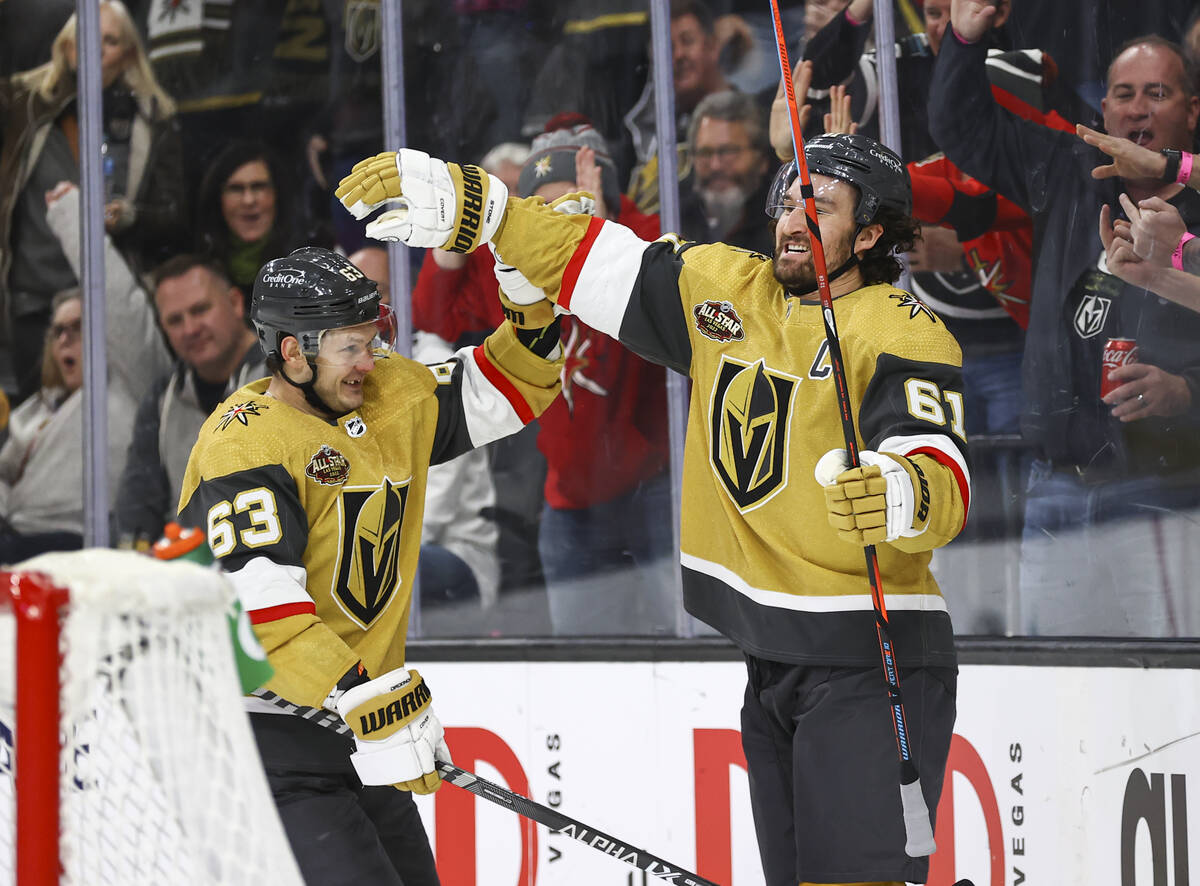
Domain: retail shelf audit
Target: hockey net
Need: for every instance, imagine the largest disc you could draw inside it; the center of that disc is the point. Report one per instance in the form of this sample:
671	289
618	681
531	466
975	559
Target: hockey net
157	779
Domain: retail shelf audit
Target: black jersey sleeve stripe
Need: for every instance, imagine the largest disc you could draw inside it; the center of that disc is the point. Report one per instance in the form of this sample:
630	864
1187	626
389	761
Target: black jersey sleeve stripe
248	514
654	325
450	437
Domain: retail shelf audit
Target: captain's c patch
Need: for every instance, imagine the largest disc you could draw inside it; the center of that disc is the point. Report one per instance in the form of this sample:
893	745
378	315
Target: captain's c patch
749	419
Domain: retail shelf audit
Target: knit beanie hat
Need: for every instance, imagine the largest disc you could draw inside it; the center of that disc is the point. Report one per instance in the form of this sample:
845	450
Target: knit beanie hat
552	158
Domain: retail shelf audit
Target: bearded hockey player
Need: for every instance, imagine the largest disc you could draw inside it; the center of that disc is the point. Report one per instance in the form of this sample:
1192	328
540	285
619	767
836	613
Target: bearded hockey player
771	558
311	484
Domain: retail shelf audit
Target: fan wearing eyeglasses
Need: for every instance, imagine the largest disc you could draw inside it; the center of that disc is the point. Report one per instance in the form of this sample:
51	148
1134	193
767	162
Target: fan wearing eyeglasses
731	168
41	471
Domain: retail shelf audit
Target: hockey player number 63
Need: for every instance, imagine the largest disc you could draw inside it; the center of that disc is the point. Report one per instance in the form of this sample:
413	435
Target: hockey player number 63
259	504
925	401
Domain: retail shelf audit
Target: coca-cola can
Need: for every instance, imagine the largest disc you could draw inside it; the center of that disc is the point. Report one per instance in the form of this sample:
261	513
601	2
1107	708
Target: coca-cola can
1117	352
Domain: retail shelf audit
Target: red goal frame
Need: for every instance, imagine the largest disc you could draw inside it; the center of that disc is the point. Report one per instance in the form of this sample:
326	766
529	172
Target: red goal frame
37	605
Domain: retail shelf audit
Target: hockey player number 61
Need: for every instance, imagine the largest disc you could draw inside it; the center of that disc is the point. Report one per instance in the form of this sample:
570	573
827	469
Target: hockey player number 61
259	504
925	401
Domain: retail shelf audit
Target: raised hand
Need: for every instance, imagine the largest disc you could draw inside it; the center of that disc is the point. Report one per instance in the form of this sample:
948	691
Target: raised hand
839	120
589	177
1130	160
442	205
1155	227
972	19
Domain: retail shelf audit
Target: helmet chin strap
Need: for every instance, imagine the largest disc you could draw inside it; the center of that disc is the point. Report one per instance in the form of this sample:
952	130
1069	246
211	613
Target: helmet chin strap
309	391
851	261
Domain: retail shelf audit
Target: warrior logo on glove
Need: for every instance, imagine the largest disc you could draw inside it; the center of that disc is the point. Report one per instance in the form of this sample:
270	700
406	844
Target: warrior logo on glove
442	205
394	714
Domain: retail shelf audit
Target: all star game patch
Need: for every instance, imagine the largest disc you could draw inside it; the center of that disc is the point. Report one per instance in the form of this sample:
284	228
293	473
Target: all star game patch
328	467
719	321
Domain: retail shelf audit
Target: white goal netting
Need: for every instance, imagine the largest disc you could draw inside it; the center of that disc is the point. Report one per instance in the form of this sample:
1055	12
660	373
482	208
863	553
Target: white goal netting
159	776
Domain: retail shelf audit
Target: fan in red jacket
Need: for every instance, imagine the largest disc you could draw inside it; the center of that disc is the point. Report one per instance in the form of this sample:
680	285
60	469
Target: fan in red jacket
606	533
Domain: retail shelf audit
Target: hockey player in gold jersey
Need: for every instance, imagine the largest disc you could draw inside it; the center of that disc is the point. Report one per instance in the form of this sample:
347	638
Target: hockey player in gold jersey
311	485
773	523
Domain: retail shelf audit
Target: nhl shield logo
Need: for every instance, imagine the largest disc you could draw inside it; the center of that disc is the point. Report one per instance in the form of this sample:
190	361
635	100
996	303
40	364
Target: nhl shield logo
356	427
749	422
1091	315
328	467
719	321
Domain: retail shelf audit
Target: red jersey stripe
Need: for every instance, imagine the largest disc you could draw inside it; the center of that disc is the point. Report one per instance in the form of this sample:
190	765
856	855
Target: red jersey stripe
964	488
275	613
575	265
500	382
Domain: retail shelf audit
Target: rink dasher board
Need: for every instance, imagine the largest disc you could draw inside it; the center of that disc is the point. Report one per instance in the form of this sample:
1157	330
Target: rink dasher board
1049	765
1053	768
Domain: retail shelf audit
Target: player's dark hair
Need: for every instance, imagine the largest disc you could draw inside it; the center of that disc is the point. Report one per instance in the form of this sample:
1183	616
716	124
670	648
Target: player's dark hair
900	232
213	236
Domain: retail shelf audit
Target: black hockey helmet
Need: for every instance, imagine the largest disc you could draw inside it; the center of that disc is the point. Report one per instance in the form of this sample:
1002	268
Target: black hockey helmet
311	291
879	174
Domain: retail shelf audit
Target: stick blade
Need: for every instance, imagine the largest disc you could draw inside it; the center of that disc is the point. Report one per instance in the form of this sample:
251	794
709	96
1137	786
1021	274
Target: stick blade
919	834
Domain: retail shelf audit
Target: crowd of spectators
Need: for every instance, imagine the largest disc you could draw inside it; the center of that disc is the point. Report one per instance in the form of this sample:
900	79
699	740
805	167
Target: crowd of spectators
224	131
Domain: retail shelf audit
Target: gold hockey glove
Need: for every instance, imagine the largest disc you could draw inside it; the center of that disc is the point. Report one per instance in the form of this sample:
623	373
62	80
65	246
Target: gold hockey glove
873	503
397	736
440	204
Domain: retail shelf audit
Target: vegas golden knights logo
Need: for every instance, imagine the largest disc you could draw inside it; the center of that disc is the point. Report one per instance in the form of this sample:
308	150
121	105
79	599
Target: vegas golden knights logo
751	406
368	568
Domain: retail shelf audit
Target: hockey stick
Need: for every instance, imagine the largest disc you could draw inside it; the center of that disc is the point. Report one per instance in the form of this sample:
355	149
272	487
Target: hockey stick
564	824
917	829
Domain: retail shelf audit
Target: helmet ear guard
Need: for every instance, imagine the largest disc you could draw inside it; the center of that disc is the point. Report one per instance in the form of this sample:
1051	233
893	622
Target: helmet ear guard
878	174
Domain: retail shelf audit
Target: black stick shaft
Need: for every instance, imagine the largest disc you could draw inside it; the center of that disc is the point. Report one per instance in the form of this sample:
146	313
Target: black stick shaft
564	824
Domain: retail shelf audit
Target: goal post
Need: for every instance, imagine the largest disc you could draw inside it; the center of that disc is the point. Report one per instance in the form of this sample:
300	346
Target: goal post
126	756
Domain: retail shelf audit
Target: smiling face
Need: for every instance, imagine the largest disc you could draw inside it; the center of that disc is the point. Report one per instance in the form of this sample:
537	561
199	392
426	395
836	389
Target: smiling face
203	319
66	342
248	201
835	201
1147	100
695	55
345	358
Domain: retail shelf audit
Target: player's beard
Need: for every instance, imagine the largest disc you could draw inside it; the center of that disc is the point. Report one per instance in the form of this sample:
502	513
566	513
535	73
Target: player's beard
801	278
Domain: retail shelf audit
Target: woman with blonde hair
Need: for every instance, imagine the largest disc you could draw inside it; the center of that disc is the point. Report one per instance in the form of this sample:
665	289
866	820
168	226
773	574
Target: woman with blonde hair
145	209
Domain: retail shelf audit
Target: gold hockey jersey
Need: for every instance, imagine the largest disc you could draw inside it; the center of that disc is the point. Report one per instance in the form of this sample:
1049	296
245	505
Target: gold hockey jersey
318	523
760	560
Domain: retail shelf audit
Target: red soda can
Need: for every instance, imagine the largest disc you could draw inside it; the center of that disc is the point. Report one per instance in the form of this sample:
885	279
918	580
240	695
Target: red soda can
1117	352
